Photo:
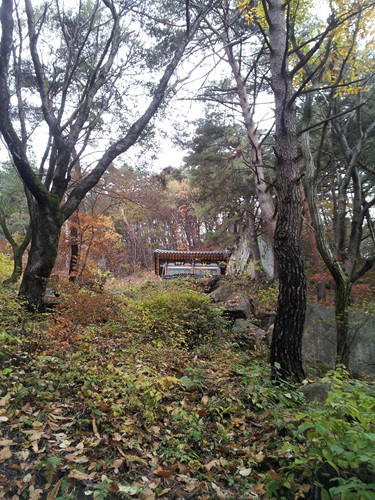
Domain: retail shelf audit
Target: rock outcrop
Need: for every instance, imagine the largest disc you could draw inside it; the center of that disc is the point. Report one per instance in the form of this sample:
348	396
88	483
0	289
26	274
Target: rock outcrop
320	339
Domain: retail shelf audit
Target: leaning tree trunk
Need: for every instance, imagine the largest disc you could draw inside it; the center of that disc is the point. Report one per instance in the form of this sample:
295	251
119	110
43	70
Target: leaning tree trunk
18	251
46	222
266	204
286	347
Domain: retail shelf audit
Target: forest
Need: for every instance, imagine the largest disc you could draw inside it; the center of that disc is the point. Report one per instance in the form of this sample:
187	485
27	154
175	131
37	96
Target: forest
246	127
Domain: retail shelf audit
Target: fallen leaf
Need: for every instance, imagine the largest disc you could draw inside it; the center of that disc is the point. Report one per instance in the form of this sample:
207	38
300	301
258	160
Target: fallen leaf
147	494
36	424
219	493
24	454
117	464
5	453
260	457
5	400
182	468
65	444
289	419
273	474
35	494
163	473
80	476
205	400
305	488
55	490
213	463
6	442
94	427
26	407
80	459
164	492
245	472
258	489
130	490
155	429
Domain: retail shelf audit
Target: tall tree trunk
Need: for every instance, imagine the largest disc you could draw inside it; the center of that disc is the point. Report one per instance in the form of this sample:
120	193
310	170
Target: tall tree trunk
262	188
286	347
255	248
46	222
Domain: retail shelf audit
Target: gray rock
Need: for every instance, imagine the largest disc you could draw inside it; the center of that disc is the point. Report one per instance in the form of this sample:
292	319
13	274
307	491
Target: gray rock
266	319
319	339
250	335
315	392
246	326
236	303
242	261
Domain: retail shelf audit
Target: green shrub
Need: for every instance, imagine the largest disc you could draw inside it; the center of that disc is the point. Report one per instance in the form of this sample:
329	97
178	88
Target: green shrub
182	317
334	444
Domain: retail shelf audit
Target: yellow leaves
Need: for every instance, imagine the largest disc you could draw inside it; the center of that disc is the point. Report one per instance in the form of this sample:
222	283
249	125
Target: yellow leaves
168	382
348	58
252	14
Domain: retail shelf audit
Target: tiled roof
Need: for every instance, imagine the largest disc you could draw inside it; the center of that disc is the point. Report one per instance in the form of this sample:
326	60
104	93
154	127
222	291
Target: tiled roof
206	255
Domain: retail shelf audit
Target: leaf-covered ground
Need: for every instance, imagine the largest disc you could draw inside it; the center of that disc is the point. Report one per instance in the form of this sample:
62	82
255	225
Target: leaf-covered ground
97	409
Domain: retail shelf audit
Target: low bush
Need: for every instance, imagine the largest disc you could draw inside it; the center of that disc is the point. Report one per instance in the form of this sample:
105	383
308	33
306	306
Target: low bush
331	452
182	317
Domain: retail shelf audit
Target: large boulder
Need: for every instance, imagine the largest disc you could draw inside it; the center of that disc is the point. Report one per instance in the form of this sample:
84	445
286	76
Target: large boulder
242	261
236	303
250	336
320	339
315	392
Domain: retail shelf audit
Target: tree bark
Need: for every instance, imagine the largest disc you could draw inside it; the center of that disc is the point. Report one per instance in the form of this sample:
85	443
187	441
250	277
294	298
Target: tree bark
46	222
255	247
286	347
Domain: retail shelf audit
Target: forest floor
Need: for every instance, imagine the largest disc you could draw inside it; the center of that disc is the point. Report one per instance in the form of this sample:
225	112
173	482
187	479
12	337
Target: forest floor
104	399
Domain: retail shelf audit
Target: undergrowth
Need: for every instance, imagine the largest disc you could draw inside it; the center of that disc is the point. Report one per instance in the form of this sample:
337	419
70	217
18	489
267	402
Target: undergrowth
145	393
